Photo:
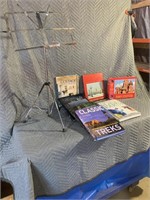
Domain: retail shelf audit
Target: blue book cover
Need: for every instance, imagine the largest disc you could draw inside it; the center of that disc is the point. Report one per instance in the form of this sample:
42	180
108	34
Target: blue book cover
99	123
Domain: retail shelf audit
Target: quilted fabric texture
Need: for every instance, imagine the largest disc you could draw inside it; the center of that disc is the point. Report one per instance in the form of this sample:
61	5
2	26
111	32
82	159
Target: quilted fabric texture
37	157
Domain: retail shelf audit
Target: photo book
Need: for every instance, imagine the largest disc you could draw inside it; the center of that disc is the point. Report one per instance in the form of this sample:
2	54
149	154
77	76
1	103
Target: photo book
119	110
73	103
93	86
67	85
121	87
98	122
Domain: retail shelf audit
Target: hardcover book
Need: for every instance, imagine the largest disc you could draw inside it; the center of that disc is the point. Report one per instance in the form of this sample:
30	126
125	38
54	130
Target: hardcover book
121	87
67	85
73	103
93	86
119	110
98	122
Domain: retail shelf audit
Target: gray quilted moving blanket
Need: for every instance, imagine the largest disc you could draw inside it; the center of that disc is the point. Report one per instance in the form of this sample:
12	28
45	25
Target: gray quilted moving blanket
36	156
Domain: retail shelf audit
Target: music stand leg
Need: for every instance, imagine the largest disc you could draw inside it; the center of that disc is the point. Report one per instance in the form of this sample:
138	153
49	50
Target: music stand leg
30	109
51	110
55	102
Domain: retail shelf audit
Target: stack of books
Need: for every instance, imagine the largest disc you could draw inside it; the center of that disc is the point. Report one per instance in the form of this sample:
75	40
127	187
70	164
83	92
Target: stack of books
100	117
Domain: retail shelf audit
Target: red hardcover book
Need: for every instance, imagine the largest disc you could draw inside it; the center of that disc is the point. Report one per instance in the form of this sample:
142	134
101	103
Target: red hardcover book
121	87
93	86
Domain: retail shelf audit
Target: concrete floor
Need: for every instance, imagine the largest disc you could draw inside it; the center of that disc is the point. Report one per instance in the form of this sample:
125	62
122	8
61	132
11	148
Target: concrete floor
140	192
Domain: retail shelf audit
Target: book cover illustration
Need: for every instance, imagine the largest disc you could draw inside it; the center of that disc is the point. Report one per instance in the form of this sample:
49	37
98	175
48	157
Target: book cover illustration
73	106
70	102
67	85
93	86
73	103
120	110
98	122
121	87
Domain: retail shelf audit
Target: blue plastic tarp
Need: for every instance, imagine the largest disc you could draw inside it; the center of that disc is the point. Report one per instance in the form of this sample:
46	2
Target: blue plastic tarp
111	181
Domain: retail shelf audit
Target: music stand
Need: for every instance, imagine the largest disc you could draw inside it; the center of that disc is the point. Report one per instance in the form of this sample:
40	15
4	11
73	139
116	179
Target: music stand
40	26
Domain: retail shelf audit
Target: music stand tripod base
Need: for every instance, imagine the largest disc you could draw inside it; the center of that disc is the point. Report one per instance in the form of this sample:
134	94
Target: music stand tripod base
52	106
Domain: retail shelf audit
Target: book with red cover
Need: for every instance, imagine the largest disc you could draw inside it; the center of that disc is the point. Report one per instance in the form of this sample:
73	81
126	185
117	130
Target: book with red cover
121	87
93	86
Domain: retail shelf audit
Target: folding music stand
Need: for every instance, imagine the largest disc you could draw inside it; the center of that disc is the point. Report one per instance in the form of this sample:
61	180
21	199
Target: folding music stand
40	26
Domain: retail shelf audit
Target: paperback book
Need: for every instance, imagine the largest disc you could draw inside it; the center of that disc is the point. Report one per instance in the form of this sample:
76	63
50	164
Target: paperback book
121	87
98	122
67	85
119	110
93	86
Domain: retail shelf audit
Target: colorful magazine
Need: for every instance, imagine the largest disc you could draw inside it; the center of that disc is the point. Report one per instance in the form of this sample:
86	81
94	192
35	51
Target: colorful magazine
98	122
121	87
93	86
67	85
119	110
